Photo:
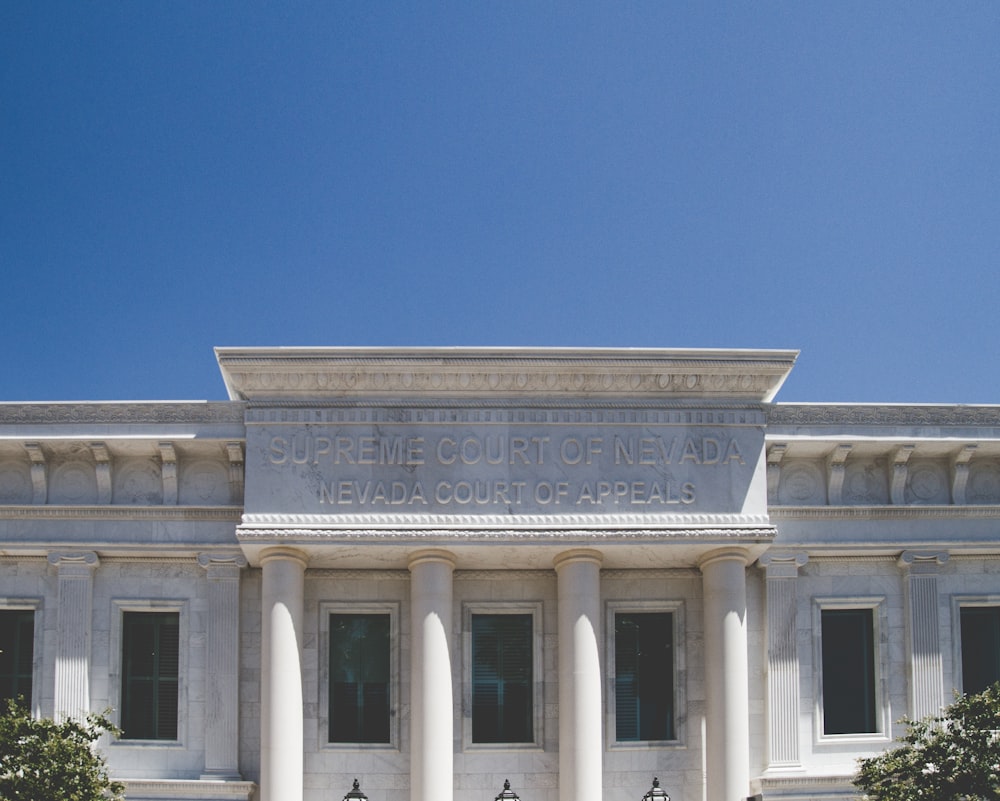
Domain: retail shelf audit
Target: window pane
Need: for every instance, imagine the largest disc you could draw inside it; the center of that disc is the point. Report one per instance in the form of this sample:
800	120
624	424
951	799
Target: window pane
17	635
980	647
150	657
502	685
644	676
848	671
359	678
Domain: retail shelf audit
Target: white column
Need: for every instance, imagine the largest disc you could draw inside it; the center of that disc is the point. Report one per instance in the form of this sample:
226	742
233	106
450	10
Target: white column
922	632
222	701
432	707
76	591
581	742
726	685
281	727
782	659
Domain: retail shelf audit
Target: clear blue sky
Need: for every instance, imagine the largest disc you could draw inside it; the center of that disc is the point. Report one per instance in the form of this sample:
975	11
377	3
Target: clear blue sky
823	176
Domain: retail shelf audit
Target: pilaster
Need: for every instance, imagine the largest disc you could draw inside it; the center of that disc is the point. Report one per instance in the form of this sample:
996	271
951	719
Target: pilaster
922	631
75	600
782	572
222	665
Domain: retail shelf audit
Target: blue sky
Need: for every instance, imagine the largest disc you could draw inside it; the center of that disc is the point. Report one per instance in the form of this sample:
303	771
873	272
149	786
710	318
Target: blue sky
817	176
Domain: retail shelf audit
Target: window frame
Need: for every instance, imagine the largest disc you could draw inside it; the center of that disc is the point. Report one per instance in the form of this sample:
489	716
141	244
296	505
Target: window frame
876	605
676	610
116	666
534	609
960	602
327	608
33	605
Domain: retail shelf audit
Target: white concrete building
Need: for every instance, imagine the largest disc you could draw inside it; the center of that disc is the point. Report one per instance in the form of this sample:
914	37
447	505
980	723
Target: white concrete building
437	569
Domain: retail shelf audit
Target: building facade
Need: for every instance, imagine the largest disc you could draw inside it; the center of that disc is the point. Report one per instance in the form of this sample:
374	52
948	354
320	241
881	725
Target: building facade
434	570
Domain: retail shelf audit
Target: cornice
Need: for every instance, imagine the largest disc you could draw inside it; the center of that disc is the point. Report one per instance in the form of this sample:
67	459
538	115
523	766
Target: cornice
151	413
164	513
278	374
782	414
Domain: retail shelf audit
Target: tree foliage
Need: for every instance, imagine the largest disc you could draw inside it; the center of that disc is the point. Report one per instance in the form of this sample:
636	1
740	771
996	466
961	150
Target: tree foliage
42	760
954	756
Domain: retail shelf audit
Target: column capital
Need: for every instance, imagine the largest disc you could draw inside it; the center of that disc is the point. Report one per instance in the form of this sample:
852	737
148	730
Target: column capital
222	565
77	561
922	561
732	554
432	555
284	553
783	565
578	555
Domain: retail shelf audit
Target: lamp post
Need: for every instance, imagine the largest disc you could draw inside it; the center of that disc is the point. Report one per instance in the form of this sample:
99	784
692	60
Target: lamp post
507	794
656	793
355	793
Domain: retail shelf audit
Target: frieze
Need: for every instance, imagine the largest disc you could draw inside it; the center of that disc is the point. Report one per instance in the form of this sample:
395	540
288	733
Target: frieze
882	415
126	413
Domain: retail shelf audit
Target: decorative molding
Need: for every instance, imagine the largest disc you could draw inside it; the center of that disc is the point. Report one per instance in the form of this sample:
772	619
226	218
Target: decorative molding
153	413
925	562
182	789
491	535
508	522
227	513
234	450
783	565
883	512
505	412
102	469
775	453
781	414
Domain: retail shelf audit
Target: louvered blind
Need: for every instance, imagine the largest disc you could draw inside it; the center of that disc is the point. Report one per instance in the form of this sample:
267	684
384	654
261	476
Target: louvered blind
502	656
150	659
359	678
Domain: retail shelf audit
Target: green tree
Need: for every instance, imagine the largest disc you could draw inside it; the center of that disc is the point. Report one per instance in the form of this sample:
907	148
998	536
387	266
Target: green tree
42	760
954	756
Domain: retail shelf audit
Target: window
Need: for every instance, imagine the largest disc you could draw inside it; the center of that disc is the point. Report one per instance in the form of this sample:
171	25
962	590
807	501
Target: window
980	647
17	634
359	703
502	678
150	642
644	676
848	642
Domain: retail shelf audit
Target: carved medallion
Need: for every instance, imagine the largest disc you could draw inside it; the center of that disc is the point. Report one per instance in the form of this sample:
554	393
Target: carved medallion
137	482
801	485
73	484
865	484
984	482
15	483
204	483
927	483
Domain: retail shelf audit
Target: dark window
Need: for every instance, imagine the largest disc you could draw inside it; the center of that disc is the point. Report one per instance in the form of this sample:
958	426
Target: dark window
848	671
502	679
644	676
150	642
17	635
359	678
980	647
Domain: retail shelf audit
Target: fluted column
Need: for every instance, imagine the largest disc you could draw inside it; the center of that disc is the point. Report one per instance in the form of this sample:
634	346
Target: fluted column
581	743
923	637
222	665
72	668
782	659
431	698
281	735
726	684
